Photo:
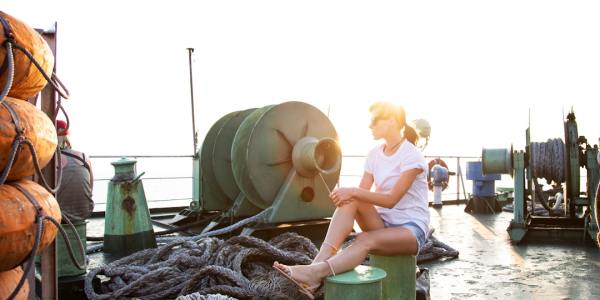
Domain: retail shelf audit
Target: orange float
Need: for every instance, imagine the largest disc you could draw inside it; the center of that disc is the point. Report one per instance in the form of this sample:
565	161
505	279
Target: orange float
9	280
28	80
18	219
37	128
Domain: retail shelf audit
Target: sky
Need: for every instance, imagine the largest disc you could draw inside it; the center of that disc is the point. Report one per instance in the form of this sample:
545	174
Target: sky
474	69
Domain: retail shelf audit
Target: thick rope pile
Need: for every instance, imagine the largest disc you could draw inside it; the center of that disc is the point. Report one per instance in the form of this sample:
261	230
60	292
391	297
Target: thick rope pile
210	268
548	160
240	267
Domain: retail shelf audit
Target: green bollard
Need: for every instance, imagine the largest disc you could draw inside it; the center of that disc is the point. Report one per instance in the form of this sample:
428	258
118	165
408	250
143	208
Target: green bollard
65	266
127	226
401	281
363	282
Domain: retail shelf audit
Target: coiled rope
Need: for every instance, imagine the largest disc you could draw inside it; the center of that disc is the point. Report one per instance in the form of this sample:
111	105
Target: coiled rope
240	267
210	268
548	160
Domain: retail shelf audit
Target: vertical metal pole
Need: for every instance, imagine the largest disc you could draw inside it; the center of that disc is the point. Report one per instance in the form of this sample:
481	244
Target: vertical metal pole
48	105
194	133
462	181
458	179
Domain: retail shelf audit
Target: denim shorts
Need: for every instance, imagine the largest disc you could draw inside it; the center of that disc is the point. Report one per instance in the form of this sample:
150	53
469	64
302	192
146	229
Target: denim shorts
415	230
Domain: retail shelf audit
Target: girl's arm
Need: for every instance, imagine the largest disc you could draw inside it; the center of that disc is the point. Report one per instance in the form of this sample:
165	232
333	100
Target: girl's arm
367	181
343	195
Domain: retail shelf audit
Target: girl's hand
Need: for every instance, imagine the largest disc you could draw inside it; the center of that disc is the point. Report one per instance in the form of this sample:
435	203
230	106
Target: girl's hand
342	196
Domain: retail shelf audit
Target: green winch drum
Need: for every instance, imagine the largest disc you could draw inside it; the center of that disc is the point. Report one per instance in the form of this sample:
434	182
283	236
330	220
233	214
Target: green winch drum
496	161
263	153
219	187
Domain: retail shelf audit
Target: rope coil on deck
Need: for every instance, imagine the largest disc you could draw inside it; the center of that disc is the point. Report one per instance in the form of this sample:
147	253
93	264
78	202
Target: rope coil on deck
548	160
210	268
239	267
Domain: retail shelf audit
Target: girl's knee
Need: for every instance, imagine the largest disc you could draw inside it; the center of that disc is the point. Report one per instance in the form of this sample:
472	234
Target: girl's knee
352	206
364	240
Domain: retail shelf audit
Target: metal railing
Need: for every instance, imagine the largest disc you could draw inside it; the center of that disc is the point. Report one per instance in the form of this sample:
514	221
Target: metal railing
349	177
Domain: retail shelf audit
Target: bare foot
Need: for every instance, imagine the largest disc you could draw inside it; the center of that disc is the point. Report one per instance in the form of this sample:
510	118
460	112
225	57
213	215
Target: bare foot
302	274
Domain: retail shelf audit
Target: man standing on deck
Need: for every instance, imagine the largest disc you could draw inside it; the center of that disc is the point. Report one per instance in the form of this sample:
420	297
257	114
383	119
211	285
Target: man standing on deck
75	192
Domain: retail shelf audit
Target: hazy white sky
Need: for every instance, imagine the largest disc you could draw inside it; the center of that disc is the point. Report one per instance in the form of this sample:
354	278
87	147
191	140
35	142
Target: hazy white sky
472	68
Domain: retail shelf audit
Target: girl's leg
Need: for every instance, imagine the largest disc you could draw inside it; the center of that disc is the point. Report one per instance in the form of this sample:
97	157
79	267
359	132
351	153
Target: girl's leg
387	241
342	223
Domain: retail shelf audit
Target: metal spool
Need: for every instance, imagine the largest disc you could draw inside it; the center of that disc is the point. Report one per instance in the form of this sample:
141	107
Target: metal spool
496	161
222	154
547	160
262	152
208	173
215	161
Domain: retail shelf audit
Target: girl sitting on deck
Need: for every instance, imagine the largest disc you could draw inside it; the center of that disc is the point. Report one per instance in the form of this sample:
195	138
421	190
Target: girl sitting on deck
394	218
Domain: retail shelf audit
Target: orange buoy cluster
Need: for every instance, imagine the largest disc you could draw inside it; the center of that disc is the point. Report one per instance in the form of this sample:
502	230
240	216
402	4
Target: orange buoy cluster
27	79
27	144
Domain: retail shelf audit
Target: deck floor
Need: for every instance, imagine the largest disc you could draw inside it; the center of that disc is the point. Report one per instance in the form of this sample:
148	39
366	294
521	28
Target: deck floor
491	267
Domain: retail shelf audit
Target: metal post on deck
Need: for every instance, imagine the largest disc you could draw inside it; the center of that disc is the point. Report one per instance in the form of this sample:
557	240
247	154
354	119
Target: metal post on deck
48	105
458	179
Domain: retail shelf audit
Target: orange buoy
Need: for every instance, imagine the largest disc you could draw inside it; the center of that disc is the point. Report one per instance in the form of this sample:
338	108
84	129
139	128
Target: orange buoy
18	216
9	280
37	127
28	80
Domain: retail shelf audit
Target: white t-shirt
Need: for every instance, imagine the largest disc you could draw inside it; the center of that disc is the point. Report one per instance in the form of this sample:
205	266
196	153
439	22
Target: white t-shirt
386	171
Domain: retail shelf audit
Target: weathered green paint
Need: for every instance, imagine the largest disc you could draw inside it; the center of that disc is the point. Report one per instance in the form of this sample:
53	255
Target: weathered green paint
401	281
286	157
496	161
304	194
593	177
218	183
127	227
65	266
196	204
242	207
363	282
289	205
517	228
240	161
572	156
